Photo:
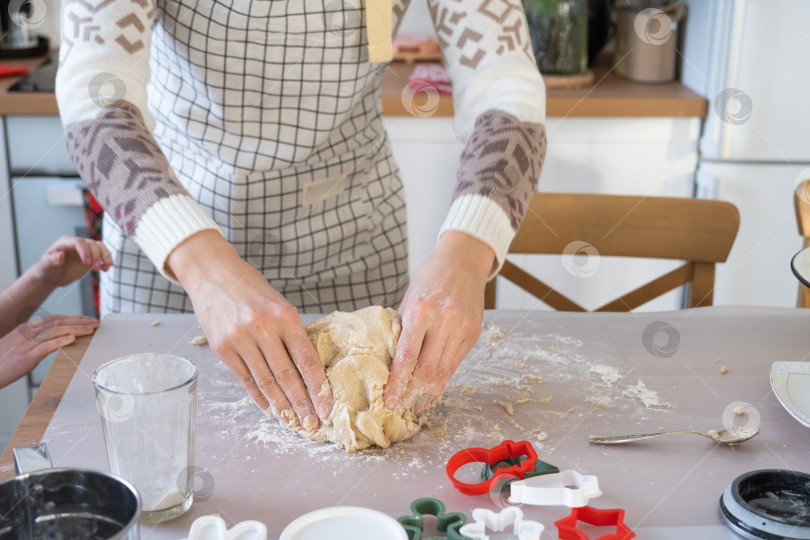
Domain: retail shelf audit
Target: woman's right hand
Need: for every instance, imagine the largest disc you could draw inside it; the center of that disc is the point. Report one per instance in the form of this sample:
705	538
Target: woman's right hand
253	329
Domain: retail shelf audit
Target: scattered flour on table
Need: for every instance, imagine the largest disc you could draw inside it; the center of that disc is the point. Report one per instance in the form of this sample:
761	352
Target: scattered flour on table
649	398
474	410
609	373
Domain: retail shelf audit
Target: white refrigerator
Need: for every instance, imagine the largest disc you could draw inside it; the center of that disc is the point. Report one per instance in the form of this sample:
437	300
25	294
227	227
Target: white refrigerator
751	60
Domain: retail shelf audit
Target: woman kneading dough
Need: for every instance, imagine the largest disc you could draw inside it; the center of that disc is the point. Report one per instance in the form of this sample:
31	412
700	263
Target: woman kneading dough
238	151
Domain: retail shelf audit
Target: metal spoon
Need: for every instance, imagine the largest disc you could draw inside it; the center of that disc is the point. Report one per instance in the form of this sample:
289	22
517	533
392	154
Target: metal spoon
725	436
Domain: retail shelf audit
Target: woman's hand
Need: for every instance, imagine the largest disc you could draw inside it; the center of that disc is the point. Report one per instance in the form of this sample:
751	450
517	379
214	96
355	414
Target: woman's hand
69	258
441	320
253	329
25	346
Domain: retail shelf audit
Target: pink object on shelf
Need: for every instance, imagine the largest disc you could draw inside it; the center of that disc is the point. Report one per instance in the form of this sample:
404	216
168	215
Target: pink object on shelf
432	74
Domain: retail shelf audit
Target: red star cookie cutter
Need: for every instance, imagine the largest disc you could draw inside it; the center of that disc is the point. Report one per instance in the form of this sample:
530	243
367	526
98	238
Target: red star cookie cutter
491	456
567	527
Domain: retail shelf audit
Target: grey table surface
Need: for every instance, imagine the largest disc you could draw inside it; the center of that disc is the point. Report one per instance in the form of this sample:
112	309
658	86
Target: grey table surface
248	467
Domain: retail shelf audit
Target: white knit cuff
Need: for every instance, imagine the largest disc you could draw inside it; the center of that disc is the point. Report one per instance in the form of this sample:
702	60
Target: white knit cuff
481	218
166	224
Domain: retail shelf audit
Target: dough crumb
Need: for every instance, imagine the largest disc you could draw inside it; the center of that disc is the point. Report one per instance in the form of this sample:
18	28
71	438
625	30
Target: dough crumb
154	323
506	406
522	400
495	332
660	428
723	370
571	410
717	361
514	423
477	408
599	401
544	399
468	390
714	434
199	340
526	358
530	377
496	428
520	365
542	436
739	410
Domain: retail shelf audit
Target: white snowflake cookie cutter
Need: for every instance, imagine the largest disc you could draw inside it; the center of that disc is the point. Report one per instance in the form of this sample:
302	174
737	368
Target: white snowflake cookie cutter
213	528
486	520
555	489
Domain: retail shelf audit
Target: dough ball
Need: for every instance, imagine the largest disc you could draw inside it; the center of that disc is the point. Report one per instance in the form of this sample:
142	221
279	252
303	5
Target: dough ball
356	350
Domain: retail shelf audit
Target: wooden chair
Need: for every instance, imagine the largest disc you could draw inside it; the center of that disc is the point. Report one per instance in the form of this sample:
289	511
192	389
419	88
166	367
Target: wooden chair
801	203
700	232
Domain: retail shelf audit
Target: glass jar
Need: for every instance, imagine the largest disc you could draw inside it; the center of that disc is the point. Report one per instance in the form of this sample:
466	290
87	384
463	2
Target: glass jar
559	34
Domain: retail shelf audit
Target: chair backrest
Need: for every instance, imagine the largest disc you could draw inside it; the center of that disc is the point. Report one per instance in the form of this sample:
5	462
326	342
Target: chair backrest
801	203
700	232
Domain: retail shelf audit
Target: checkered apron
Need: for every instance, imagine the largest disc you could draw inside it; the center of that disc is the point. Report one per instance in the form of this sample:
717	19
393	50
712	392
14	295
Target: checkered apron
270	114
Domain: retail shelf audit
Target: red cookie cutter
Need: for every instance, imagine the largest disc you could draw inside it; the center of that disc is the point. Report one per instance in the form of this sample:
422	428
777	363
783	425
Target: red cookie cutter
567	527
491	456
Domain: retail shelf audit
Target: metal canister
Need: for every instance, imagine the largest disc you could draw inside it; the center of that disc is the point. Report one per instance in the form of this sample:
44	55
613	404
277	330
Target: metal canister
66	503
647	41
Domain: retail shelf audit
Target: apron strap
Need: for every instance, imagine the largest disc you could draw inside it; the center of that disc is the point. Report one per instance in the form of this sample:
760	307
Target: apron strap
378	27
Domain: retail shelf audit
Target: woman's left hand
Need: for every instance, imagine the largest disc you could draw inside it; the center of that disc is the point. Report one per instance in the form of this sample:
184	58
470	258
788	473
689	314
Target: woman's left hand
441	320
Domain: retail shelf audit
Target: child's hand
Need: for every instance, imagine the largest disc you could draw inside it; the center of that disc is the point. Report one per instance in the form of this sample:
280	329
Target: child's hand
69	258
25	346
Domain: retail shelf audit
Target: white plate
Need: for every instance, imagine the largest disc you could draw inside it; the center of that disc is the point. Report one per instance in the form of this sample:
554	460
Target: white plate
344	523
791	384
800	264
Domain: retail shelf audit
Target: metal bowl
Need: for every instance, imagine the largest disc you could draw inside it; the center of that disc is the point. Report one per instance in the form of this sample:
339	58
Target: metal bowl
75	504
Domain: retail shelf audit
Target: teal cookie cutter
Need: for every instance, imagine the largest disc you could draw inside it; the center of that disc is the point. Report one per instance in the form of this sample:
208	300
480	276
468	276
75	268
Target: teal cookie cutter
446	523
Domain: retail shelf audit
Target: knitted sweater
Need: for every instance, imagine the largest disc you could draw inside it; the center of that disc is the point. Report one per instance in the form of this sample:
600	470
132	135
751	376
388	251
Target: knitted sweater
113	77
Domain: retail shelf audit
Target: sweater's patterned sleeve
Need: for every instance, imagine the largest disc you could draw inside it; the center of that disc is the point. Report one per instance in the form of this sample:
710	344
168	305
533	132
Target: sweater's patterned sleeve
500	108
101	91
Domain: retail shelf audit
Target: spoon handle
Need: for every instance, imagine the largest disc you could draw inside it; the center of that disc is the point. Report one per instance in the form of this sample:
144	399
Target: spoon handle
617	439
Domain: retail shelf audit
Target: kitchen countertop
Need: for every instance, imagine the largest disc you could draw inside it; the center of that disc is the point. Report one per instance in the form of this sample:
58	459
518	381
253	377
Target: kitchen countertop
610	96
668	487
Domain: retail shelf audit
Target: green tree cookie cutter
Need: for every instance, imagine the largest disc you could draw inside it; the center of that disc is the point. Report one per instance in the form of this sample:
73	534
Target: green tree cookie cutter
540	467
446	523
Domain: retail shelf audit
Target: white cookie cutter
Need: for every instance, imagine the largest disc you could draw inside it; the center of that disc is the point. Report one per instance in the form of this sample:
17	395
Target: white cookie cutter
484	520
566	488
213	528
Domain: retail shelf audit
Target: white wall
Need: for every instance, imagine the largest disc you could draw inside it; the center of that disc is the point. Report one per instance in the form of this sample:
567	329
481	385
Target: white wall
417	19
